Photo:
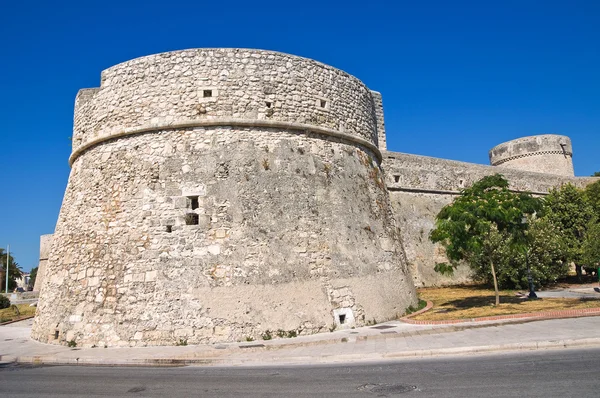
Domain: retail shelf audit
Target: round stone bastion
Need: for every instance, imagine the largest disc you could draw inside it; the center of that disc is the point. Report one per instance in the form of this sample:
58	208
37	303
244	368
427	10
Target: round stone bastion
221	195
548	153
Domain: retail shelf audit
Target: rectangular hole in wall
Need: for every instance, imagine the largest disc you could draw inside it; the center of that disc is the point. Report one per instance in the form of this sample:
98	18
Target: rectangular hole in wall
55	334
169	228
191	219
207	93
268	104
194	200
396	178
342	318
323	103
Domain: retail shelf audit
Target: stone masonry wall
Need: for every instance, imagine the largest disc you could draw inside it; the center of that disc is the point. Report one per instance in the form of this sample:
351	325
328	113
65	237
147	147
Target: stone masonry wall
211	85
420	186
218	194
548	153
289	229
45	246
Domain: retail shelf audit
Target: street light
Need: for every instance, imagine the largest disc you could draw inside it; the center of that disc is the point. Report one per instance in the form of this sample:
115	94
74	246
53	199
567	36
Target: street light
532	294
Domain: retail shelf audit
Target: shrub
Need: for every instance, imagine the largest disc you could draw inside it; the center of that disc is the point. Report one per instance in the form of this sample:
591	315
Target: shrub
4	302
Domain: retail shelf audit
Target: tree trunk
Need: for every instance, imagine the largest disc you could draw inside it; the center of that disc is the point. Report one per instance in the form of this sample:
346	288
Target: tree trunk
495	283
579	272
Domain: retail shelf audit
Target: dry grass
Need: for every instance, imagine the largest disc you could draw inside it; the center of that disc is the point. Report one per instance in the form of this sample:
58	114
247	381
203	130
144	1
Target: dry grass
9	314
465	302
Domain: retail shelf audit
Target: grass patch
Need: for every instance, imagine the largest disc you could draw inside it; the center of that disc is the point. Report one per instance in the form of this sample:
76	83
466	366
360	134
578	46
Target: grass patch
9	314
411	310
464	302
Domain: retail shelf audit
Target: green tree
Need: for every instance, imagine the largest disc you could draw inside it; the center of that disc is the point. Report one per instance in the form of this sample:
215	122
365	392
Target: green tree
596	174
590	252
14	271
592	195
568	209
544	252
33	276
479	222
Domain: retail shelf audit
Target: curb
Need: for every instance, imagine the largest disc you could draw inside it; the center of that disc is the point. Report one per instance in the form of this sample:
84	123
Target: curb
348	358
17	320
562	314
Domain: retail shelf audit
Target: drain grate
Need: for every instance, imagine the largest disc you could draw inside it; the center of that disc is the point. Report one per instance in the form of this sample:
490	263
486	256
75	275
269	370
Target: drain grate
387	388
381	327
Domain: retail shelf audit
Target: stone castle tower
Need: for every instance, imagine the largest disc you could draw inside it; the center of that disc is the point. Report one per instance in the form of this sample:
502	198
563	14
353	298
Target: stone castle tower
216	194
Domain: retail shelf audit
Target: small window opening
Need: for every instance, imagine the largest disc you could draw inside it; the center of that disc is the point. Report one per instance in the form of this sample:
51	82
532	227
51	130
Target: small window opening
191	219
194	200
55	334
268	104
342	318
207	93
396	178
323	103
169	228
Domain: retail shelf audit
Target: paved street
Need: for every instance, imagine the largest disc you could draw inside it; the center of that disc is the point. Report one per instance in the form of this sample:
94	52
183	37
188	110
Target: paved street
565	373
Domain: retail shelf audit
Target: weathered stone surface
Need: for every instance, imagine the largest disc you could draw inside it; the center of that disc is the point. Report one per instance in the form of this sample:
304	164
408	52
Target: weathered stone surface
216	194
45	246
548	153
420	186
208	232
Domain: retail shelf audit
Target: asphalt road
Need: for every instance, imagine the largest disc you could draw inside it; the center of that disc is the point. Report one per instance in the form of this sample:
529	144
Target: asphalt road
563	373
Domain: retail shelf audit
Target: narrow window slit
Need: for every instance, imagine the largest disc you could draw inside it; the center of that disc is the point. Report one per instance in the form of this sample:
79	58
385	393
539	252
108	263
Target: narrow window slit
169	228
191	219
342	318
396	178
194	202
323	103
207	93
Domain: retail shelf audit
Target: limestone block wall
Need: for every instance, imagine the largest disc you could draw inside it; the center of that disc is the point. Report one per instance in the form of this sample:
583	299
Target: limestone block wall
420	186
219	231
214	86
549	153
45	246
381	135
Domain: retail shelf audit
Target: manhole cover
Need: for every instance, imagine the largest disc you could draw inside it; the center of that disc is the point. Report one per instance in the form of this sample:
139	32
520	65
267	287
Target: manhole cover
387	388
381	327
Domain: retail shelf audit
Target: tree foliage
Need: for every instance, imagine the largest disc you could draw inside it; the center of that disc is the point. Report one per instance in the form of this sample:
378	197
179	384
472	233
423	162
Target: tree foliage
568	209
544	253
33	276
479	222
14	271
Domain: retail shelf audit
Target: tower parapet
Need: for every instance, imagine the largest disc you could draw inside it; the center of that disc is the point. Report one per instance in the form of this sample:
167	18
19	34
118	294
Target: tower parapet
548	153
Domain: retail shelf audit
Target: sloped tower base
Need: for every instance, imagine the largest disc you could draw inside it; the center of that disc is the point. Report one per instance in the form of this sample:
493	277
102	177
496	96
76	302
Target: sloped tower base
261	208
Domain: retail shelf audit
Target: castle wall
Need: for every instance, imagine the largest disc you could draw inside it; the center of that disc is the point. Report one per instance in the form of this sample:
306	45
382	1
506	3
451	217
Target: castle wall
210	232
420	186
381	135
45	246
223	87
548	153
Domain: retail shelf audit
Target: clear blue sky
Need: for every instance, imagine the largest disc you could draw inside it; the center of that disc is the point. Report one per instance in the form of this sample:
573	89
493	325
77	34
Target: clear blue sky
457	77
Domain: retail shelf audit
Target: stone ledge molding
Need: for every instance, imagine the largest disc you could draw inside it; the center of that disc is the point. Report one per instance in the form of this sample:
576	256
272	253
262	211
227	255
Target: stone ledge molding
229	122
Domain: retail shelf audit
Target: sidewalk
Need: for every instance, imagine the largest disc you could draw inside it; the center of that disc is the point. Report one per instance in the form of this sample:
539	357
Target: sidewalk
388	341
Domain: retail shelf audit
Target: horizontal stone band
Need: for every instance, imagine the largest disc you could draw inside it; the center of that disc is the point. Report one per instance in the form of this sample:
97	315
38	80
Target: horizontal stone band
229	122
526	155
